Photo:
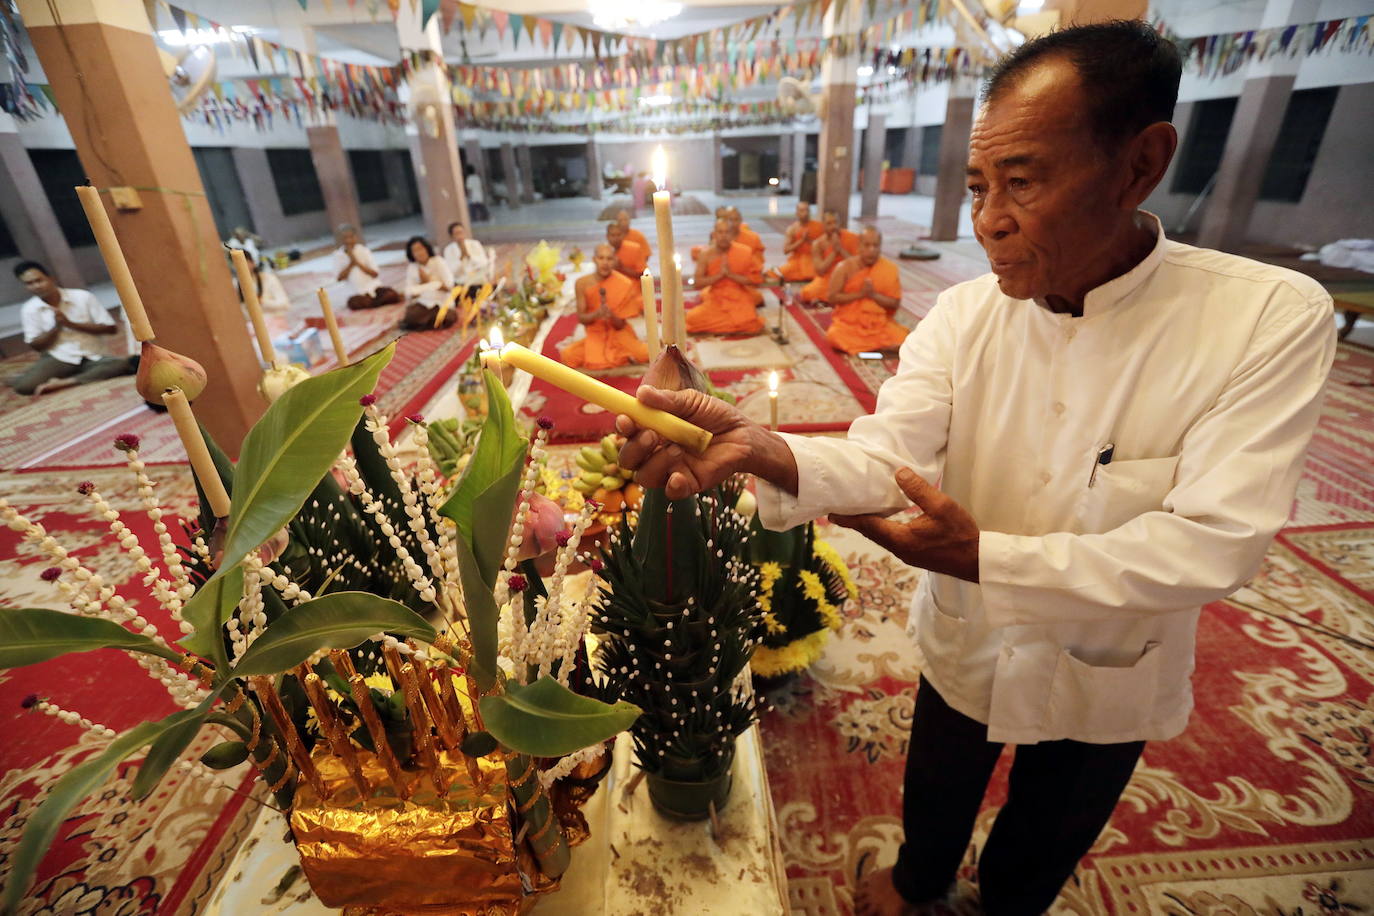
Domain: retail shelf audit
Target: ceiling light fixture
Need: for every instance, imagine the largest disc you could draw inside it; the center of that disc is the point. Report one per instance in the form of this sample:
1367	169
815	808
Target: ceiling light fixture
626	14
655	101
176	38
865	70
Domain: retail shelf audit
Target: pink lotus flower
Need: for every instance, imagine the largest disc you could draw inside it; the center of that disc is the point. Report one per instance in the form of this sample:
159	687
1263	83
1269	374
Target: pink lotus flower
543	525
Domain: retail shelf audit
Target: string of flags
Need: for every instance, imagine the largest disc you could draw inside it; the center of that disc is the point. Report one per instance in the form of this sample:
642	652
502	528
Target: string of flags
1223	54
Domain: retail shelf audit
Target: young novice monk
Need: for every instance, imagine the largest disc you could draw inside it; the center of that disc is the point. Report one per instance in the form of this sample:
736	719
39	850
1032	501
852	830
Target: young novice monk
866	291
606	299
728	277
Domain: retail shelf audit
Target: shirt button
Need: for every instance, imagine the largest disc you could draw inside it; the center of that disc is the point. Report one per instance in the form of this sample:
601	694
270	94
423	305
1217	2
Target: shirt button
1044	477
1070	331
1059	408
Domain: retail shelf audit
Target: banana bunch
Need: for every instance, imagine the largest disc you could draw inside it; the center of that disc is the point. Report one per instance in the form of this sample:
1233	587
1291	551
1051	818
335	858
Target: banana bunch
601	470
450	443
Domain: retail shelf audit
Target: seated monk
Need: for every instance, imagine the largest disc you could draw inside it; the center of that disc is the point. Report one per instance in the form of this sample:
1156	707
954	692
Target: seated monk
833	246
727	277
866	291
634	235
721	213
746	235
605	300
797	245
630	257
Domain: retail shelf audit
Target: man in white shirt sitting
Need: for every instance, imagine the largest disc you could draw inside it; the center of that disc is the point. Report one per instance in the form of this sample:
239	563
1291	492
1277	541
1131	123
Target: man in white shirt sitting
1116	424
476	194
66	327
358	267
468	259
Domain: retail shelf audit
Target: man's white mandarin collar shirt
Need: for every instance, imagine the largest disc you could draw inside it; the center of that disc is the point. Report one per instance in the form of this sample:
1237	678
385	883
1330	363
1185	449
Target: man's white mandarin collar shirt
72	347
1205	373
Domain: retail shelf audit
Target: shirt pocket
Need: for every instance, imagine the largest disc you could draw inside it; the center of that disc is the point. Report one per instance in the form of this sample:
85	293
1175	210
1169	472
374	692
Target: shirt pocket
1104	703
1121	490
939	634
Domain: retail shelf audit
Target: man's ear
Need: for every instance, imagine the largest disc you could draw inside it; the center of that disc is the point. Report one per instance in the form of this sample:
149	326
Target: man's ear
1146	159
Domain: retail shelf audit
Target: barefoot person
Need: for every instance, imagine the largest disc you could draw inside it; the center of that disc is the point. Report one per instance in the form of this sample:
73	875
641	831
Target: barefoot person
866	292
68	328
605	300
357	266
833	246
801	236
728	278
630	257
1117	425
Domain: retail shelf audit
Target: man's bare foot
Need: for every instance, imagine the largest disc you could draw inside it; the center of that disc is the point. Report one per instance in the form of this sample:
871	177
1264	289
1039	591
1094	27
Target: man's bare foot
877	896
54	384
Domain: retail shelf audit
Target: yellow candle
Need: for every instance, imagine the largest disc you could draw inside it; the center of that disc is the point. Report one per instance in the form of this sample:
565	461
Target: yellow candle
115	264
773	400
597	392
340	350
248	284
489	353
679	311
646	288
663	220
194	443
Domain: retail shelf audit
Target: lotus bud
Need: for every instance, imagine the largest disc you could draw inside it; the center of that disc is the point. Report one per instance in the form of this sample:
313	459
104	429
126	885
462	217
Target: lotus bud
672	372
160	369
747	504
278	380
543	524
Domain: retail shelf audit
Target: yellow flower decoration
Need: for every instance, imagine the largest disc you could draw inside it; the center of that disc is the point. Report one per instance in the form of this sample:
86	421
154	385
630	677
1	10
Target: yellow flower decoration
380	681
796	655
543	259
831	557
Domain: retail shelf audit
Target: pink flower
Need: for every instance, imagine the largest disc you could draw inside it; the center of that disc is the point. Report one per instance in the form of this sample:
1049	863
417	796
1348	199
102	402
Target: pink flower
545	422
543	524
51	573
367	400
596	565
85	487
517	582
416	418
126	442
29	701
562	538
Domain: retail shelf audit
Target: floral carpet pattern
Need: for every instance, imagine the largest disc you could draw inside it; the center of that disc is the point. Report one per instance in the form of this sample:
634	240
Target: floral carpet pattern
1264	806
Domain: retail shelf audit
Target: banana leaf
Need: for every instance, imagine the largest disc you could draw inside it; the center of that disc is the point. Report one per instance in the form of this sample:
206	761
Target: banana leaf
670	547
32	635
208	610
66	794
287	452
338	621
482	616
546	719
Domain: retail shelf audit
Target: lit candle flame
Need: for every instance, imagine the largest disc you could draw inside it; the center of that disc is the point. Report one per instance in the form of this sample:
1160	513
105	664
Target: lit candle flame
677	261
773	383
498	340
659	166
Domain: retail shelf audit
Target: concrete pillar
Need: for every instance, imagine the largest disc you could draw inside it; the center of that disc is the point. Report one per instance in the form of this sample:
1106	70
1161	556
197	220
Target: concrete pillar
594	184
434	141
27	211
911	148
856	160
335	174
951	181
522	153
785	158
718	164
107	78
798	159
473	156
873	165
1254	130
512	175
837	147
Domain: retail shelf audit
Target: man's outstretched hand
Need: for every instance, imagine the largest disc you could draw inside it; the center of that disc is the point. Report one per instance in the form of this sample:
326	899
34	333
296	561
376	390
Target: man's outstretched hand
737	445
943	539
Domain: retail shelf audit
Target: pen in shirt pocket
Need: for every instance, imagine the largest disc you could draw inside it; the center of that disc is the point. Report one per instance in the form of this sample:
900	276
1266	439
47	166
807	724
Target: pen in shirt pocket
1104	456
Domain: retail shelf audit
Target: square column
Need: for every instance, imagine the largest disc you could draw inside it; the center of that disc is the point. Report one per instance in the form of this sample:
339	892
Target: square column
335	174
431	131
473	156
128	134
837	147
798	138
512	176
522	154
594	184
718	164
785	156
873	165
27	212
911	148
951	181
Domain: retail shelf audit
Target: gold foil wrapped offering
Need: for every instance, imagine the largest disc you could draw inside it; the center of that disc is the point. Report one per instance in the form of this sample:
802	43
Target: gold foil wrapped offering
450	855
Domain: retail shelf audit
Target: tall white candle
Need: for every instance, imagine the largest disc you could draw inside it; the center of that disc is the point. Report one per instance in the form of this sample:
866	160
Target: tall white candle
646	288
663	221
340	351
248	285
115	264
773	400
679	310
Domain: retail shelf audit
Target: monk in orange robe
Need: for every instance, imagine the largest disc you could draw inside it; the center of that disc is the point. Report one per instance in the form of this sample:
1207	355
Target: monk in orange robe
634	235
606	300
722	213
797	245
833	246
740	232
727	277
630	257
866	291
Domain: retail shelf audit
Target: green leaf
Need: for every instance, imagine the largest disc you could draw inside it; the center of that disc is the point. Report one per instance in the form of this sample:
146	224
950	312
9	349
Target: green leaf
208	610
225	755
32	635
66	793
546	719
482	616
168	747
287	451
340	620
484	499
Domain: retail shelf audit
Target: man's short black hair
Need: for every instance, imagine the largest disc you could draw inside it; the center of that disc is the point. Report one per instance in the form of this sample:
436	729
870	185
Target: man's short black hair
1129	74
449	230
24	267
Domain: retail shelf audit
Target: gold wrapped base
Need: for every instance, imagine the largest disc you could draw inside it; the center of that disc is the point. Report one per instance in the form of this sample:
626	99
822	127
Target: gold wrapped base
449	855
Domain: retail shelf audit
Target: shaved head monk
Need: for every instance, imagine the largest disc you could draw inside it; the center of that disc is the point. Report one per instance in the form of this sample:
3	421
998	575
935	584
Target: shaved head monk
630	257
833	246
623	218
797	244
605	300
866	292
728	277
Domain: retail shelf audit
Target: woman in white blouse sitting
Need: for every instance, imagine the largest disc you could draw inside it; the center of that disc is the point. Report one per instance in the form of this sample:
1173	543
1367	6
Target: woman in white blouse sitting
428	283
471	263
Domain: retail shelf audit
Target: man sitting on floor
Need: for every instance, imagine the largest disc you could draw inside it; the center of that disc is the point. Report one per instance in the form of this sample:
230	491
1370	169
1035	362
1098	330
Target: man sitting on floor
745	235
801	235
834	245
728	279
866	291
631	258
65	326
606	300
634	235
357	266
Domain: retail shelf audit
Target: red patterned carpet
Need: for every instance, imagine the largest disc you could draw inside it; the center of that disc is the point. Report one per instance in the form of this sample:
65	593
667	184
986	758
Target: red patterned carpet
1263	807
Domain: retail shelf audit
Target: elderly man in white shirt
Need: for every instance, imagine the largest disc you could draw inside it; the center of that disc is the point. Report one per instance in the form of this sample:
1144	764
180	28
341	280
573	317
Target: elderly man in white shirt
357	267
66	327
468	258
1116	424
